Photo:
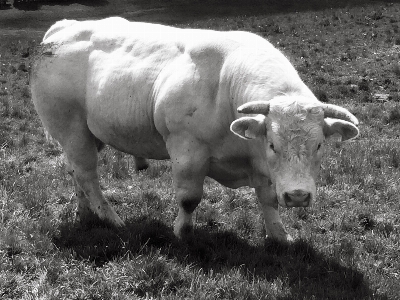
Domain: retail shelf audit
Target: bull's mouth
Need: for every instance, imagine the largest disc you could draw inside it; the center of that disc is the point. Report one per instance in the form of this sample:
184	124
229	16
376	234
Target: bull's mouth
297	199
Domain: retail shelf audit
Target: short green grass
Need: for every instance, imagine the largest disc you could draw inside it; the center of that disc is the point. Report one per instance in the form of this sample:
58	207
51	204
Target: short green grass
347	246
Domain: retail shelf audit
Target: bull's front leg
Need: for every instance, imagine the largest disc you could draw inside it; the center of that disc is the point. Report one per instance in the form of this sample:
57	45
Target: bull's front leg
188	195
269	205
189	167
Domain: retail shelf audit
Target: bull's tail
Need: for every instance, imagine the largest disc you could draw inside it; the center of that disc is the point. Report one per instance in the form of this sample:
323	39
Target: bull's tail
47	135
50	140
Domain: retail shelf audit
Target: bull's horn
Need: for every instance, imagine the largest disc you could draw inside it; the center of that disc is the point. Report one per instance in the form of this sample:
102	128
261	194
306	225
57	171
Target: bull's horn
337	112
254	107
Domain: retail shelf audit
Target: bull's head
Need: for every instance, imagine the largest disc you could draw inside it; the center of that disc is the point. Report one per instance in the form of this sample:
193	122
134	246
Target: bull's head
292	131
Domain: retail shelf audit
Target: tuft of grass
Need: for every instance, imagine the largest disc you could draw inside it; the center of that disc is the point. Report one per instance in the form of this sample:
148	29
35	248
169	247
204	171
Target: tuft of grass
396	69
120	168
394	115
321	95
364	85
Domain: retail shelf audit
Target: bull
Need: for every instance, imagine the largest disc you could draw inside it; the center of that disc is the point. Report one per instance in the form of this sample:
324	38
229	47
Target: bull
227	105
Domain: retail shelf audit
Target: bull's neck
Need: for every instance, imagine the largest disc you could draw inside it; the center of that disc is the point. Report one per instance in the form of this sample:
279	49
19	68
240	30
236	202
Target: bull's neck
262	79
243	90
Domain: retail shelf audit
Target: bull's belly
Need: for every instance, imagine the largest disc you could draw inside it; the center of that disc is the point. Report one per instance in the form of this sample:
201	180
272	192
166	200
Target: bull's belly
154	149
139	141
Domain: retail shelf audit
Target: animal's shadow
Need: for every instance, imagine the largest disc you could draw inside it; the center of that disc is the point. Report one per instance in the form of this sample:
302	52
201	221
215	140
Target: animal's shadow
298	262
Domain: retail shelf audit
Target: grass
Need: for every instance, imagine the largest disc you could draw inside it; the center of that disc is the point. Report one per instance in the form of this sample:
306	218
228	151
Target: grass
346	246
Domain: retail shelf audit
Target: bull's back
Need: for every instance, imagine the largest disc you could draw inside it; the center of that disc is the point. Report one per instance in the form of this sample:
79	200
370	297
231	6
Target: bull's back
120	76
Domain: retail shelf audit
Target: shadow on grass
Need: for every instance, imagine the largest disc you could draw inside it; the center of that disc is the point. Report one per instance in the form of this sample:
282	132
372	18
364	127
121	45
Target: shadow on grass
308	272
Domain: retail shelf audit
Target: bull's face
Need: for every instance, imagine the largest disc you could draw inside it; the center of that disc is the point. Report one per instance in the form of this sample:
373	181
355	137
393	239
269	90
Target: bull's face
292	131
294	139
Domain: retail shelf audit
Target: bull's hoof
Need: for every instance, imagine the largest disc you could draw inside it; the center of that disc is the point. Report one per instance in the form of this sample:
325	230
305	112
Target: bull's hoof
114	220
87	218
286	239
118	222
185	232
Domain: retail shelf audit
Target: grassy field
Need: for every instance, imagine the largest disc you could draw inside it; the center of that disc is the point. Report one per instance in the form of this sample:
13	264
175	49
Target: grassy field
347	246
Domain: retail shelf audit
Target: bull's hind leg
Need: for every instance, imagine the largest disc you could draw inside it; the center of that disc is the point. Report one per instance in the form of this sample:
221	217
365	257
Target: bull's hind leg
64	117
189	167
81	149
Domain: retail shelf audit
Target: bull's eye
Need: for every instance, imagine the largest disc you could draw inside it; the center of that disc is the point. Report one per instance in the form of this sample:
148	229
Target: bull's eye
271	146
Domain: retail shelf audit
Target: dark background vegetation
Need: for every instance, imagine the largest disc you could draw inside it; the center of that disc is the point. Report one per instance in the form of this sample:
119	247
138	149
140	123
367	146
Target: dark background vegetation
167	11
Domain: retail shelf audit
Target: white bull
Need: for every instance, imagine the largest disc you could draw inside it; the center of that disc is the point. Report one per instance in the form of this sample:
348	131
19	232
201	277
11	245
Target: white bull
166	93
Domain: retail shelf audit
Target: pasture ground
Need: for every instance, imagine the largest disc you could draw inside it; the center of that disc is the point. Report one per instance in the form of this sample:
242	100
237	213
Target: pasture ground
347	246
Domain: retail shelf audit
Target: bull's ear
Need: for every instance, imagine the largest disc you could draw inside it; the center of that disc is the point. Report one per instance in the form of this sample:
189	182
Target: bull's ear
249	127
346	129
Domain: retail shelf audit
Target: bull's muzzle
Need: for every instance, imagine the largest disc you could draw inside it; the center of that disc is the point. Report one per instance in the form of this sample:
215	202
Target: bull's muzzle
297	198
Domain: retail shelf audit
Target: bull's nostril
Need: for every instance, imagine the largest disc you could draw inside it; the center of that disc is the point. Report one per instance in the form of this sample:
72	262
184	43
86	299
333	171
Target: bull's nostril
297	198
287	198
306	201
